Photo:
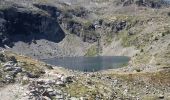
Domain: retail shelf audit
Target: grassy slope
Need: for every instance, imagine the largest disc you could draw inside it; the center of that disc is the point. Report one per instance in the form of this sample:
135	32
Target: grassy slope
150	33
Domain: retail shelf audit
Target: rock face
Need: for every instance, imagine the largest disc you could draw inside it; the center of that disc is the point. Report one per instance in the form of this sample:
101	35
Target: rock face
146	3
35	30
152	4
85	31
24	24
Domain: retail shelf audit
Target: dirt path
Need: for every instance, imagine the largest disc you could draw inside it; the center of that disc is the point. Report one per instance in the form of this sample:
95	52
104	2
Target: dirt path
13	92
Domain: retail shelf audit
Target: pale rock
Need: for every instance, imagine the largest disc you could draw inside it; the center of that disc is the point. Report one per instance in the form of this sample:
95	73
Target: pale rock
50	90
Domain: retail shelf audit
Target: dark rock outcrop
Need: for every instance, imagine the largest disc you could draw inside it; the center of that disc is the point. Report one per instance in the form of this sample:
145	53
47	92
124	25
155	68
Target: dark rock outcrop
25	24
146	3
74	27
151	3
118	26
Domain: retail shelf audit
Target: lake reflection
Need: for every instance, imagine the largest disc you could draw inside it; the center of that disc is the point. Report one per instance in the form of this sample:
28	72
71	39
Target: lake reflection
89	64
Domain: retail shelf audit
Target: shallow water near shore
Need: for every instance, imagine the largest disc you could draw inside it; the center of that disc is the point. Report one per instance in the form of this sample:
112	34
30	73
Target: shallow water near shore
89	64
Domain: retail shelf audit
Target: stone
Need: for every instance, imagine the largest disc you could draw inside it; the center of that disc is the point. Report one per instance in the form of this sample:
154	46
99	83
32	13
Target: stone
12	59
115	82
59	92
26	93
63	79
69	79
118	26
30	75
15	65
25	78
52	93
60	83
93	75
8	64
40	81
33	92
74	98
83	98
49	66
46	98
8	69
89	83
59	76
66	79
51	82
50	90
59	97
9	79
46	86
161	96
125	91
17	69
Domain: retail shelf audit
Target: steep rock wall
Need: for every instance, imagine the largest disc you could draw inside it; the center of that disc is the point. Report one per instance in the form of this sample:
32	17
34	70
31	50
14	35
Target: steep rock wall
27	25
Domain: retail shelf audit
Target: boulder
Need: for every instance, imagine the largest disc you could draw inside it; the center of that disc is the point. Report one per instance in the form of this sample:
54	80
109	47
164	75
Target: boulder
59	97
50	90
161	96
2	57
67	79
9	79
52	94
60	83
17	69
8	68
12	59
31	75
8	64
118	26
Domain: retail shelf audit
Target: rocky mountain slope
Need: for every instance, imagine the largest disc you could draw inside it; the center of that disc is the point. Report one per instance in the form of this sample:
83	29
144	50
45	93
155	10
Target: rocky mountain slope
43	29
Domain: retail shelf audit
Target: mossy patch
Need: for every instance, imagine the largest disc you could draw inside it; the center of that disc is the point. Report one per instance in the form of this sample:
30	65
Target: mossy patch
81	89
142	58
160	78
88	87
92	51
109	39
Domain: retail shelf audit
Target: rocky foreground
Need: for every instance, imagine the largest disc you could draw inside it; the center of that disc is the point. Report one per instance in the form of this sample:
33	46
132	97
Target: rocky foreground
20	81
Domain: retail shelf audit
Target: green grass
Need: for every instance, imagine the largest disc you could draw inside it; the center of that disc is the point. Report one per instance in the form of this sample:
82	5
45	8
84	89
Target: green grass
92	51
109	39
143	58
127	40
80	88
162	58
77	90
32	69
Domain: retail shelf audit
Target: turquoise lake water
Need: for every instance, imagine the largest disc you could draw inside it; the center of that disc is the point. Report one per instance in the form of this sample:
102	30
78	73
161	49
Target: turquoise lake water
89	64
